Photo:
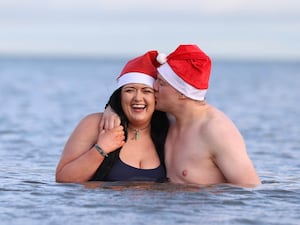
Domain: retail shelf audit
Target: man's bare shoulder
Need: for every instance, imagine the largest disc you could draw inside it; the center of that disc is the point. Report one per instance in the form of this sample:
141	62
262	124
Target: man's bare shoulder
219	128
218	119
215	119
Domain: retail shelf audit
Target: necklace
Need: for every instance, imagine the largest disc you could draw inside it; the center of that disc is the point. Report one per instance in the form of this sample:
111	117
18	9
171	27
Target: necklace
138	130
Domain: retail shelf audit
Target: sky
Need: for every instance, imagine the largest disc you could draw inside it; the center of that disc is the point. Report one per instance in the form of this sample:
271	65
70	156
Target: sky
228	29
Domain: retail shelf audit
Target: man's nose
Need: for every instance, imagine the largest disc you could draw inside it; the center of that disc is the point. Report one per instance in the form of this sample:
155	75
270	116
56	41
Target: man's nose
155	85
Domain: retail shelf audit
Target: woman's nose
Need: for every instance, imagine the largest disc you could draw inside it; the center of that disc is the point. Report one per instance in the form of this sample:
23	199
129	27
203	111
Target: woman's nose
138	95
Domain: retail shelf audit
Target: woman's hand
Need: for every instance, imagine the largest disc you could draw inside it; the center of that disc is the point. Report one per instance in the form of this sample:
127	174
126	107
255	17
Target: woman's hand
112	139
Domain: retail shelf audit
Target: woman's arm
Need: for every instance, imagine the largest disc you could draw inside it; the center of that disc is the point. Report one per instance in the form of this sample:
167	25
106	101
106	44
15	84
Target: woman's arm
80	159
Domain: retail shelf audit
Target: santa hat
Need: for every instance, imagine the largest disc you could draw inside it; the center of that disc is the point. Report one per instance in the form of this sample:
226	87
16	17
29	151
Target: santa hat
187	69
142	69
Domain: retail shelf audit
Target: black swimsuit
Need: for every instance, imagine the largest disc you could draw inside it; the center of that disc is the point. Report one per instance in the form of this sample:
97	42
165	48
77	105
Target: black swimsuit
120	171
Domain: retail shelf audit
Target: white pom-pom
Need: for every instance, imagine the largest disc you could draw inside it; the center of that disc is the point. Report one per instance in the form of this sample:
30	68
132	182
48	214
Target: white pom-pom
161	58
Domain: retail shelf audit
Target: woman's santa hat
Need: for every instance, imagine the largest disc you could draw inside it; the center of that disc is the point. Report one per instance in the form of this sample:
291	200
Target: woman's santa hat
142	69
187	69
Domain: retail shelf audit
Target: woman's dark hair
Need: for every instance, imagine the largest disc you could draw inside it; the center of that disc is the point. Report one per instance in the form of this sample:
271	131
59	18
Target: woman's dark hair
159	129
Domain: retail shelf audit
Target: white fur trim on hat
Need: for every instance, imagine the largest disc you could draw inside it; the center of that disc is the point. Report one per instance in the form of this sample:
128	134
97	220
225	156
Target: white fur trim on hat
135	77
170	76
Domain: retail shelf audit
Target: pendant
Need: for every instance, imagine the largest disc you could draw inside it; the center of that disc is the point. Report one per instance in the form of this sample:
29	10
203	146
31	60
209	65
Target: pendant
136	134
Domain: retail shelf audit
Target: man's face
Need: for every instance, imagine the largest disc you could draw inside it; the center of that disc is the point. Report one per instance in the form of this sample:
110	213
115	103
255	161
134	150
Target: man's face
163	94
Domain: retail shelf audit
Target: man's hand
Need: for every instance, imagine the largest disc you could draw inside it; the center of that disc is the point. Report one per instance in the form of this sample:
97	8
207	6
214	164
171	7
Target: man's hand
109	119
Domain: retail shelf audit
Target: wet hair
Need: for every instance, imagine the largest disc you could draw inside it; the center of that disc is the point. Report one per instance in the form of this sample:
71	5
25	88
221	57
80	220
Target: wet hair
159	123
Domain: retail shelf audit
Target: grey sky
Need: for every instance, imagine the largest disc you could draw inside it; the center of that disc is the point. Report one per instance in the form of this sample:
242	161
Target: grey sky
228	29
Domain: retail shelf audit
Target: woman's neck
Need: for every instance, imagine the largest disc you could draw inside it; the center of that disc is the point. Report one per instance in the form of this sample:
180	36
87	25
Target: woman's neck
138	129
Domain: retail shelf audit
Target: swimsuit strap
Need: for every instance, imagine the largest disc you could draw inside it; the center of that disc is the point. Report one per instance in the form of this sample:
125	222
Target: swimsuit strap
106	165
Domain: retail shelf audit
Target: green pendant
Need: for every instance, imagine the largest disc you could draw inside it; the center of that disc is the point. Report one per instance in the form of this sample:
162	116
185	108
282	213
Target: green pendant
136	134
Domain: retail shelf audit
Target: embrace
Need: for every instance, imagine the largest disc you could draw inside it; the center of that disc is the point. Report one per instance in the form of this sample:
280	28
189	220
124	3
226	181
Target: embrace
158	126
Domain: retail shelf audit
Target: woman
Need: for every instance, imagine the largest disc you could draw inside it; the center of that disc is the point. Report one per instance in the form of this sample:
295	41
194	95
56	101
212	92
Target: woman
131	151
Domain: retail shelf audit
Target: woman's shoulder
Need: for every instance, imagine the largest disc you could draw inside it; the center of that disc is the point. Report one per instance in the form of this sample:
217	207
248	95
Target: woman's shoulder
92	118
95	115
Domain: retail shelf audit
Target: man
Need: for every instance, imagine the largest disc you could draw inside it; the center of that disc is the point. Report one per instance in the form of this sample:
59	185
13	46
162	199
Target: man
203	145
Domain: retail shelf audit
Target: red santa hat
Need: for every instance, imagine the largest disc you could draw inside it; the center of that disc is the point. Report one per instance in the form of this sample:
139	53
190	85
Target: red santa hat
142	69
187	69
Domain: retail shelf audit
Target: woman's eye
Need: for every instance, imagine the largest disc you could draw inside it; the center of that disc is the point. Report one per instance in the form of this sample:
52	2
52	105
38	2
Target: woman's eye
148	91
129	90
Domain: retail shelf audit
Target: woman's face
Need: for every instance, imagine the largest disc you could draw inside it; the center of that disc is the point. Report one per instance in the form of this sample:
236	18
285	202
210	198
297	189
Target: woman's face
138	103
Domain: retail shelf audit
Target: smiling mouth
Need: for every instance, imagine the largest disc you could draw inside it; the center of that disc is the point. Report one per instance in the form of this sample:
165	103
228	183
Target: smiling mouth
139	107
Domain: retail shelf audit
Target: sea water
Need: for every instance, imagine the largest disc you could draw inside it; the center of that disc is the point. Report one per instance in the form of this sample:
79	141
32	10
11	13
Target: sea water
42	100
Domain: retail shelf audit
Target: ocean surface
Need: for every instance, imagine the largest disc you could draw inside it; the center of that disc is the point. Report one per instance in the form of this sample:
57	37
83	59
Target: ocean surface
42	100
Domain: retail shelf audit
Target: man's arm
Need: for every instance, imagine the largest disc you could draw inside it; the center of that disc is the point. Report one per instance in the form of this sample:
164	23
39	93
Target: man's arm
230	154
109	119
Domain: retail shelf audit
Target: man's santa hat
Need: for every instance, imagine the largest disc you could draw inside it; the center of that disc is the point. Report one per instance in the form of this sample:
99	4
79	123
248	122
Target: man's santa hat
187	69
142	69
